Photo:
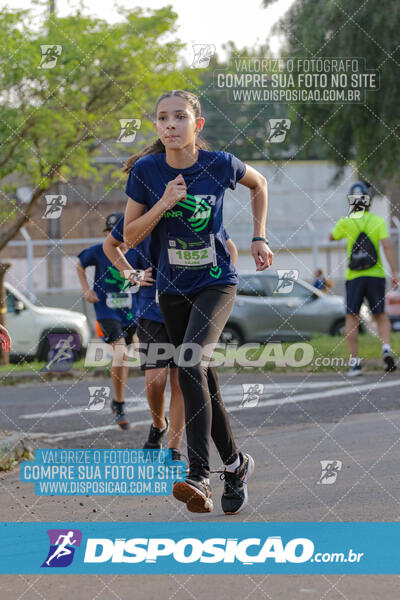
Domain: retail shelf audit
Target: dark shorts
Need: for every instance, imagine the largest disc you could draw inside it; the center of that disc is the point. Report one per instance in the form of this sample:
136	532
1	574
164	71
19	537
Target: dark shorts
153	332
115	330
370	288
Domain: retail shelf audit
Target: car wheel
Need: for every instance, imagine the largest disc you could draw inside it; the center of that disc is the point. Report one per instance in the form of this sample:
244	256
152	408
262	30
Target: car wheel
44	349
231	335
339	328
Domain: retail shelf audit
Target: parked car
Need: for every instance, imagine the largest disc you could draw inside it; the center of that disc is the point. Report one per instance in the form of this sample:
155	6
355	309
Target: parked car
263	313
30	324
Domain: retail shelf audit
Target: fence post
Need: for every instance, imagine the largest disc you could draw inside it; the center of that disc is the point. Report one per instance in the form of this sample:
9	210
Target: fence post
314	242
396	222
29	257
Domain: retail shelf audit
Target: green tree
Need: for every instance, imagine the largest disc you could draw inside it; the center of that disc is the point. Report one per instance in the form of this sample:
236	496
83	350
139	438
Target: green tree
53	121
366	133
240	128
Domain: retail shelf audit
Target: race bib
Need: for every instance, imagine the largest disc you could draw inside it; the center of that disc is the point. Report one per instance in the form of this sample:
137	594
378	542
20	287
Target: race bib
121	300
192	254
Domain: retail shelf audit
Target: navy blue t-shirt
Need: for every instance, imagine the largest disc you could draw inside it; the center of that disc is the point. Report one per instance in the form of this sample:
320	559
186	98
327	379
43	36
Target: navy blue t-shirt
110	285
189	238
147	307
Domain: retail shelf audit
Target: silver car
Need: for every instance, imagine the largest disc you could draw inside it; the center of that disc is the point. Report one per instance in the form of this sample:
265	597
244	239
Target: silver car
271	309
29	325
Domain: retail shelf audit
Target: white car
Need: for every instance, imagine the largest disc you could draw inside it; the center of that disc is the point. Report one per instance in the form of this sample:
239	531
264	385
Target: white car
29	325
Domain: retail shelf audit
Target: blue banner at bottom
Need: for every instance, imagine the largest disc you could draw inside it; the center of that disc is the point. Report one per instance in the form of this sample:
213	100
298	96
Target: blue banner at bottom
195	548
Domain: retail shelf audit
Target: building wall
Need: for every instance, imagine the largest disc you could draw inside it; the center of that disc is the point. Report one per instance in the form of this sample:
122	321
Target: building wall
298	192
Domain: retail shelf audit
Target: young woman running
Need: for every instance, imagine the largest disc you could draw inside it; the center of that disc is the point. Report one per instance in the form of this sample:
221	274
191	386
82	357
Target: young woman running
151	330
176	191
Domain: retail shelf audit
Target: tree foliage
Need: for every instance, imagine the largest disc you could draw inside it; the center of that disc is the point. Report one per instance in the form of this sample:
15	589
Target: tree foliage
367	133
53	121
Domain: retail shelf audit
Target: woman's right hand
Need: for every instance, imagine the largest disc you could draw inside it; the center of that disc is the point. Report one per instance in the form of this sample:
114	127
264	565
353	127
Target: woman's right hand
5	339
91	296
175	191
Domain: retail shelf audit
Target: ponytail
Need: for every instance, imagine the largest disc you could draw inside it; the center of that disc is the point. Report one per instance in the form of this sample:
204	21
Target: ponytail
157	147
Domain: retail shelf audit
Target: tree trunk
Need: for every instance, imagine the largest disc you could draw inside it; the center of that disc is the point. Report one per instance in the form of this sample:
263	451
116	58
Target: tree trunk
4	356
23	218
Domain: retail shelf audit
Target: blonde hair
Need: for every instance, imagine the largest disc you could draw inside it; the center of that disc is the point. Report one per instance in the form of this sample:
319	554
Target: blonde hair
157	147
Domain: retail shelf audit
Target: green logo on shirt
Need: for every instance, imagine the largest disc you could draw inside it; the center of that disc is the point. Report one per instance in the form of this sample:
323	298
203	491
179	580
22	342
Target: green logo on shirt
118	279
172	213
198	206
215	272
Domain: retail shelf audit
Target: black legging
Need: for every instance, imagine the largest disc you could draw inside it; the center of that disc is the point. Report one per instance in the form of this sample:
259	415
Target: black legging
200	319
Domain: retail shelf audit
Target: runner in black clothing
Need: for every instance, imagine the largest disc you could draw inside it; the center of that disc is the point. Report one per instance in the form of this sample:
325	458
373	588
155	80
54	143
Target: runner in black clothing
115	308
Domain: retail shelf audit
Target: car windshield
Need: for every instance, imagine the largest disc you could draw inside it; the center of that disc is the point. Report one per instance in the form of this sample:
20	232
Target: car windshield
251	285
10	298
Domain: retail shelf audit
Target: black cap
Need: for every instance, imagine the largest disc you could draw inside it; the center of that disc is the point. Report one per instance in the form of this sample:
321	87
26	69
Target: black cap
112	219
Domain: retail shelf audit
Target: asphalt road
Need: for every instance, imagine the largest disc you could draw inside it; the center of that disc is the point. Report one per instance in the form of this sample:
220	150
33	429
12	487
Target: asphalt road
297	422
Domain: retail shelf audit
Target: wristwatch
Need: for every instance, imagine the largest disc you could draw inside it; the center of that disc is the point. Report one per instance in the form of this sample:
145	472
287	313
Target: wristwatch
260	239
136	276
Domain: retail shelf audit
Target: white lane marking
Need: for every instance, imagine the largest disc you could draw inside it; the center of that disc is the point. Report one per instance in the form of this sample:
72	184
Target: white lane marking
230	393
354	389
57	437
141	406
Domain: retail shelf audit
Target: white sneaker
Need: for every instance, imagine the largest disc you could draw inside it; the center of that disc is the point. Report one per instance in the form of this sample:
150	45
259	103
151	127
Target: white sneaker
355	371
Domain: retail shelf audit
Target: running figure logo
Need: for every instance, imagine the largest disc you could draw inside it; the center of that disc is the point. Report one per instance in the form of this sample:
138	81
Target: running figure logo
202	55
54	206
50	54
129	127
62	547
356	200
61	355
200	208
277	130
286	279
330	470
251	394
97	397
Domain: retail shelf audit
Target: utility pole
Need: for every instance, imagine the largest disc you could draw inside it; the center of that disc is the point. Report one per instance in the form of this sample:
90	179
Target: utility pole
54	226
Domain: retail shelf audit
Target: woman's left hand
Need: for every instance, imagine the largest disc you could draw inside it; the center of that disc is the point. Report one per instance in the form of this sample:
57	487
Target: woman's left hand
145	278
142	278
262	255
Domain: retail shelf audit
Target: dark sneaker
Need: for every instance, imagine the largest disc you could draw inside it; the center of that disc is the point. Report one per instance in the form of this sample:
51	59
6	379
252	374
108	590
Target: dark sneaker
118	409
154	441
388	360
176	455
235	498
196	493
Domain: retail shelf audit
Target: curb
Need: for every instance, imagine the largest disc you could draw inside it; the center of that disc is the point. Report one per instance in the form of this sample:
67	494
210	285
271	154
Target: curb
13	449
39	376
